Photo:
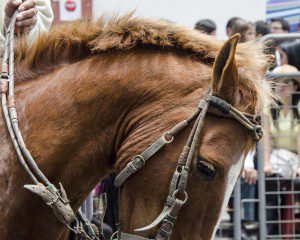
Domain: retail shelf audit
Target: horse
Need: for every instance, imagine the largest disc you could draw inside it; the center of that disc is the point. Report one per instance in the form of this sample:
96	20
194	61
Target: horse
92	95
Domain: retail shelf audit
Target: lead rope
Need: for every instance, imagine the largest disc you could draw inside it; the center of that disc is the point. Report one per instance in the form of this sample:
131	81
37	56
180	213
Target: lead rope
56	199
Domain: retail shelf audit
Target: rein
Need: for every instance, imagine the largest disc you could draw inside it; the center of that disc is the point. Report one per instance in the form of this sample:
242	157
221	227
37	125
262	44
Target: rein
55	198
178	196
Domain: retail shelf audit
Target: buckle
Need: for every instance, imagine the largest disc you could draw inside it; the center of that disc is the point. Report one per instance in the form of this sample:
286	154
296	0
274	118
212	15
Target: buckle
137	162
166	227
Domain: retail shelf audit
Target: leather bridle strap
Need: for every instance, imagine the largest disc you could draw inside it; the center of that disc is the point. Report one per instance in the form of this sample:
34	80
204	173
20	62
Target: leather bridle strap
177	195
223	108
187	155
228	110
140	160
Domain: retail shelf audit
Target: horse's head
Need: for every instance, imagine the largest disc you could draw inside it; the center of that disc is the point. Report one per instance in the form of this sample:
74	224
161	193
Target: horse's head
215	165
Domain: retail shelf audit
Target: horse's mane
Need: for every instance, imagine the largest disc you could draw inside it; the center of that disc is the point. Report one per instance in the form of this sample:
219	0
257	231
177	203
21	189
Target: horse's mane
74	41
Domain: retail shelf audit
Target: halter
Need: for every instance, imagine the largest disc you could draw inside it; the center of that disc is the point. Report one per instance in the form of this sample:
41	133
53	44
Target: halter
55	198
178	196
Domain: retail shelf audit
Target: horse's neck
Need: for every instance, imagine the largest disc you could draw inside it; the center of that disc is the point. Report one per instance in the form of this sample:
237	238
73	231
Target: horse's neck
71	125
70	121
77	119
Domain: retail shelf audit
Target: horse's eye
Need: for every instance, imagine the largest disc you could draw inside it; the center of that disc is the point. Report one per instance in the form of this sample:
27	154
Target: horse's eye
206	169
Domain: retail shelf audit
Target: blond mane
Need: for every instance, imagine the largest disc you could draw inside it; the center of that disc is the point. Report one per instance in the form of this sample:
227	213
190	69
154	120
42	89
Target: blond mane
78	40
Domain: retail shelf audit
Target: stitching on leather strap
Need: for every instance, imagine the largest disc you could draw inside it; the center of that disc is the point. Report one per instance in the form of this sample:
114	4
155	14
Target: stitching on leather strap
4	84
11	102
219	103
4	68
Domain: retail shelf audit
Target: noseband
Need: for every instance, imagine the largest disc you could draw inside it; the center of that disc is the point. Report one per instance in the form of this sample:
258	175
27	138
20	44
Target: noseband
177	192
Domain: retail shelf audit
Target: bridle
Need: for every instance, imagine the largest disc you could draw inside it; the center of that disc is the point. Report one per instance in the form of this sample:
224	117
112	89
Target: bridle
177	191
57	198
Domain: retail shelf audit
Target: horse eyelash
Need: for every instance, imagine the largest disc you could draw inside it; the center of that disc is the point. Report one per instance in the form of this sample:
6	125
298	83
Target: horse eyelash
205	169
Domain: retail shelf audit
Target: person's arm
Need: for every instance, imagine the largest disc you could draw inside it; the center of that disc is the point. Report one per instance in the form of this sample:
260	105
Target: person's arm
2	25
267	144
298	152
34	17
250	173
44	19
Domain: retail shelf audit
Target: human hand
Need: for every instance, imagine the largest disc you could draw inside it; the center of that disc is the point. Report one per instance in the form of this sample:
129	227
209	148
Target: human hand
268	169
27	16
297	172
250	175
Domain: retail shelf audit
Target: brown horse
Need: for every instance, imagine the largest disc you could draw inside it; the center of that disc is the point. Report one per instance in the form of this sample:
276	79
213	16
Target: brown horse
90	96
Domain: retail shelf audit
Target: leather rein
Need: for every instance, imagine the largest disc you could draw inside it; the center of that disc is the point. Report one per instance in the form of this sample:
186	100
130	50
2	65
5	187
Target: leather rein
178	196
57	198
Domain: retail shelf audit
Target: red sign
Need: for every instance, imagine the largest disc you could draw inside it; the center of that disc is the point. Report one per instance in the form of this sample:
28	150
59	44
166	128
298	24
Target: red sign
70	5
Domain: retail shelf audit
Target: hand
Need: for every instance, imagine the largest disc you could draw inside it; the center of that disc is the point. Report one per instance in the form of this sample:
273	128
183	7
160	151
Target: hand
250	175
27	16
297	173
268	169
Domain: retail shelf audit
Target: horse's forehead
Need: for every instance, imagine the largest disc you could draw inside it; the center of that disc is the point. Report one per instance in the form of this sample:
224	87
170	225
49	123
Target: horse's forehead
224	141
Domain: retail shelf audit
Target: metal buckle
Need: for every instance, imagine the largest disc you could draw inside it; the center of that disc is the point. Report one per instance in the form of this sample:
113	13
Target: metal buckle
139	160
185	196
167	224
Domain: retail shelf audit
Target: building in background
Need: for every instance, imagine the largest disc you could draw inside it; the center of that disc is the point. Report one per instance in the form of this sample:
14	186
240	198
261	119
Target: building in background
70	10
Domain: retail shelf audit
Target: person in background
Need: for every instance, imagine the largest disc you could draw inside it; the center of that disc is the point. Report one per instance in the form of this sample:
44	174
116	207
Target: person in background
262	29
248	186
34	17
281	124
207	26
290	53
279	25
281	140
246	29
230	24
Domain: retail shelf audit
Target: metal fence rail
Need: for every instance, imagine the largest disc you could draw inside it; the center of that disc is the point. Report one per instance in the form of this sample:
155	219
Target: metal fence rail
277	207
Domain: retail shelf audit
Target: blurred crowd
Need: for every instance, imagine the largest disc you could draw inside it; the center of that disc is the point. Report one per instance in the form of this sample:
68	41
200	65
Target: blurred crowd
280	122
249	30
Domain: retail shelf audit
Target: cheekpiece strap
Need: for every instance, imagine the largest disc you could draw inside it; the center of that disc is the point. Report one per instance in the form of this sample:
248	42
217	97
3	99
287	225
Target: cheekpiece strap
140	160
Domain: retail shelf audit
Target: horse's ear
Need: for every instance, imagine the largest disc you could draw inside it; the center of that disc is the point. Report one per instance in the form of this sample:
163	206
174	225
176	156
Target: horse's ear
225	74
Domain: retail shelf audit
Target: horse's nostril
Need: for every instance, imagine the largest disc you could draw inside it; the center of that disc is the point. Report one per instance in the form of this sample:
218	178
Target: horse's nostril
206	169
